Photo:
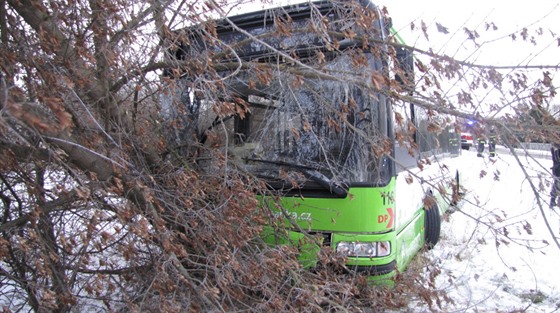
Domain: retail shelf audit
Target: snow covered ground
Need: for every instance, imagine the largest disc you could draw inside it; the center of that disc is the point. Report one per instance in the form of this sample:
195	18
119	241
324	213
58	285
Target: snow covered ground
497	253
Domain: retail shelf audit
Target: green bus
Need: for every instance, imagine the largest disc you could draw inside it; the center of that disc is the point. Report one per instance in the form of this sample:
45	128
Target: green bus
300	99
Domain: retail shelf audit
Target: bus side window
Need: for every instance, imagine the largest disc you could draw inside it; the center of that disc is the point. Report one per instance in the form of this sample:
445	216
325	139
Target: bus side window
405	67
403	159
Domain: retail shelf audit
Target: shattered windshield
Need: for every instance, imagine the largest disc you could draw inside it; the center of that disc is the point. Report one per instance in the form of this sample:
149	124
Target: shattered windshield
301	131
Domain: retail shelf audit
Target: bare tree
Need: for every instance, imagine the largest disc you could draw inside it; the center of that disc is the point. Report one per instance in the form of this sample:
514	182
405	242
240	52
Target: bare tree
108	202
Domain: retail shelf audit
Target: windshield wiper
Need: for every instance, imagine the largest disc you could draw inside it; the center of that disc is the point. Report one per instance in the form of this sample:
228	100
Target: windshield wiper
311	173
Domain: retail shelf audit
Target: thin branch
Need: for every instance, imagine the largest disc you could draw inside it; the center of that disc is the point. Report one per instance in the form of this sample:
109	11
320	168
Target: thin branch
88	150
536	193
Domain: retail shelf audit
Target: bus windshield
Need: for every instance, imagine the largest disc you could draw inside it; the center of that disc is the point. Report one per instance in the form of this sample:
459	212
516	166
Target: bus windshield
303	131
303	122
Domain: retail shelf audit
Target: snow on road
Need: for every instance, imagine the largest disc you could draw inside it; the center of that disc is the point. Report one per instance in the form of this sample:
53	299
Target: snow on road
497	252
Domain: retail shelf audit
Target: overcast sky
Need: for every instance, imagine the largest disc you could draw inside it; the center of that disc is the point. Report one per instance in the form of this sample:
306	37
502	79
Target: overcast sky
494	46
497	46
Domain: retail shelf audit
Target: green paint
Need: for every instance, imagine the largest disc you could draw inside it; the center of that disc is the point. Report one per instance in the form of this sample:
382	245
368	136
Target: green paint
364	210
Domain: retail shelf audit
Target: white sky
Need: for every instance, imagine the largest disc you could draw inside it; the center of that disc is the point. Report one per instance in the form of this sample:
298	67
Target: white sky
493	47
499	49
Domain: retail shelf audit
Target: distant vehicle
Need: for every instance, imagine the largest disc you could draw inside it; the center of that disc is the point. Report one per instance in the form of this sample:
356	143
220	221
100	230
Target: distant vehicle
467	140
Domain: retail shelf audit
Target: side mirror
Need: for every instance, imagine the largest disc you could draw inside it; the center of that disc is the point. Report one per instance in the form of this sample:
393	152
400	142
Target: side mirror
405	67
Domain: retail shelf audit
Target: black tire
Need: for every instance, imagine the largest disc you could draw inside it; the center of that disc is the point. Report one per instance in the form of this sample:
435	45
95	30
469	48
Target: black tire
432	226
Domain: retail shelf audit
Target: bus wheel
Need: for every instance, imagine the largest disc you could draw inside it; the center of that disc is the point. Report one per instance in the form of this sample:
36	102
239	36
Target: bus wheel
432	226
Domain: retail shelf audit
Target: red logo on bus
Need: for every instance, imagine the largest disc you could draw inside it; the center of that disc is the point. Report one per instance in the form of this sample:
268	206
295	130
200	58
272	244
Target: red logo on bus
389	217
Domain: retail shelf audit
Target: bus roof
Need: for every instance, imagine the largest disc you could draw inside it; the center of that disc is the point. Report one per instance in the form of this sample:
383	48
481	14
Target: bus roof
234	32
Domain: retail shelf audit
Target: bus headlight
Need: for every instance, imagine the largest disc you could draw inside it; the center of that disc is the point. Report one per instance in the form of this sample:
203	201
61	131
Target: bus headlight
364	249
383	248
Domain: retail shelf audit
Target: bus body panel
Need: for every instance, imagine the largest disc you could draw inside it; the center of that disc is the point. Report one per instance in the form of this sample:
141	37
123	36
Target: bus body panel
364	210
410	240
410	193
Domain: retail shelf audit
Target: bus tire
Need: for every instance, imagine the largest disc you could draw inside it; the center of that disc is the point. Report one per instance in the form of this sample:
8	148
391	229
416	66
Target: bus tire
432	226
